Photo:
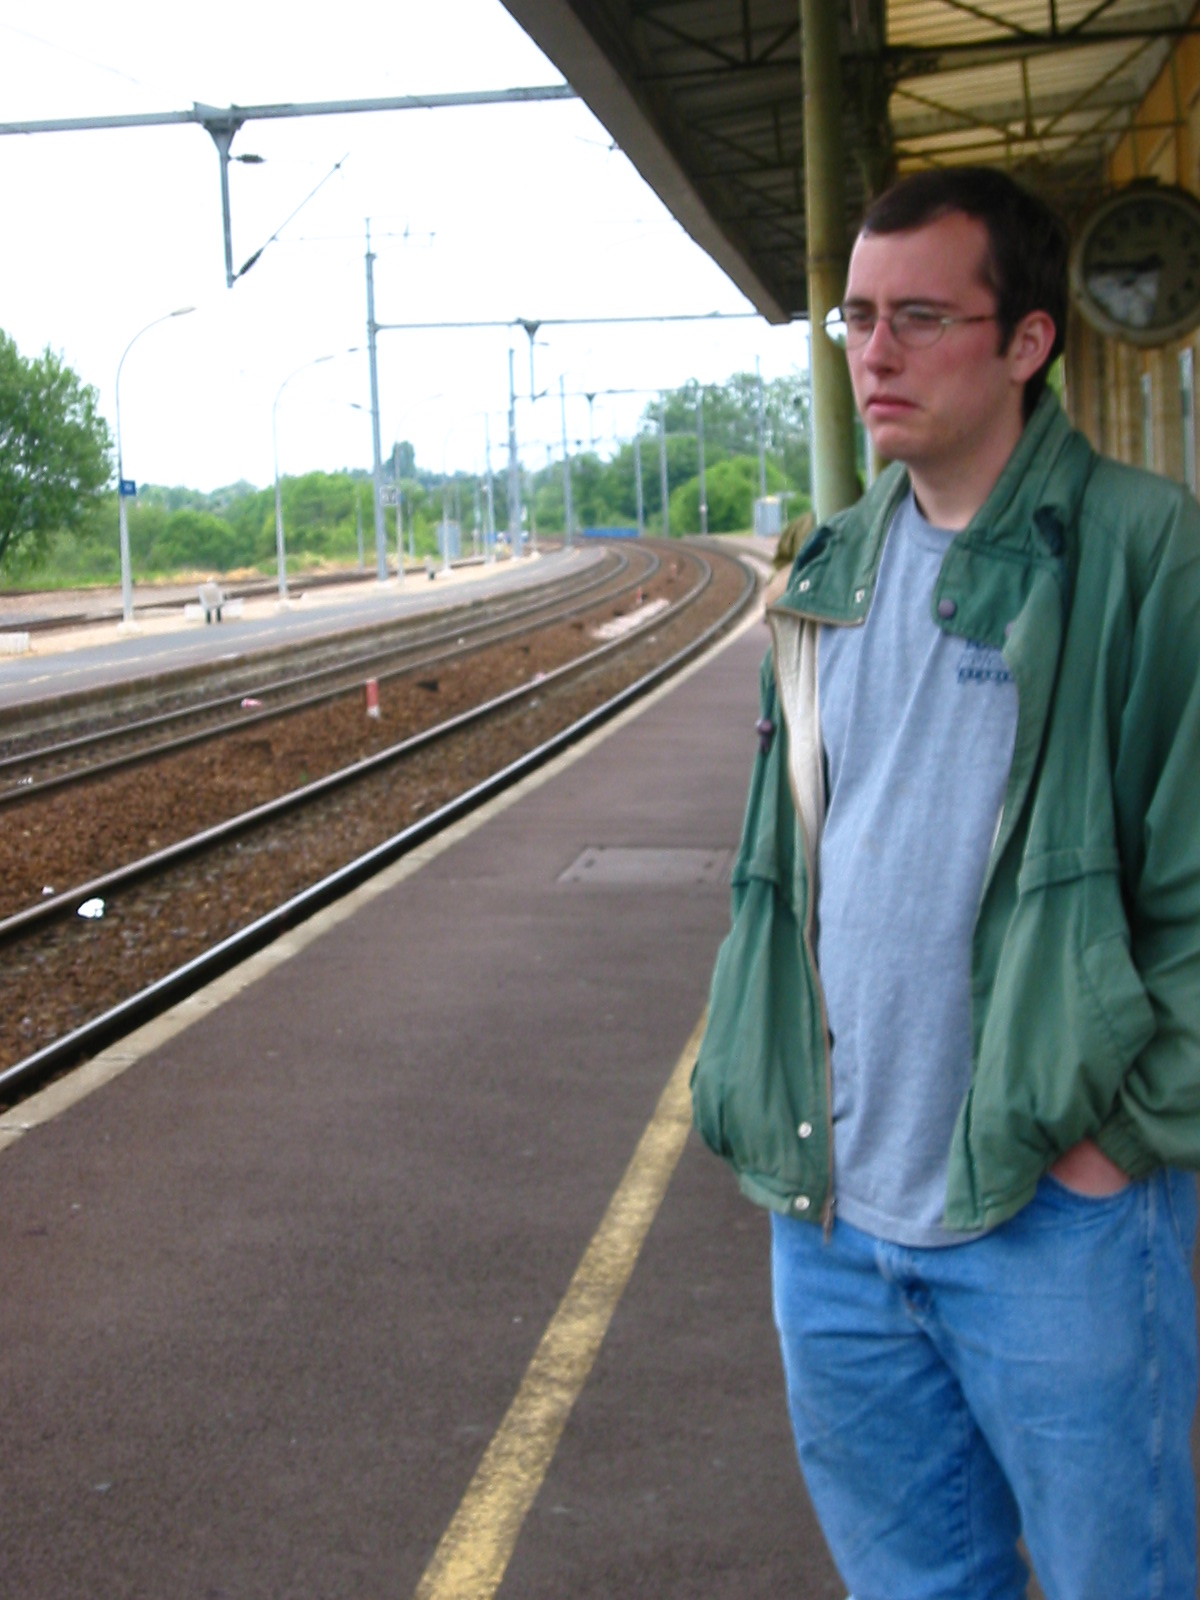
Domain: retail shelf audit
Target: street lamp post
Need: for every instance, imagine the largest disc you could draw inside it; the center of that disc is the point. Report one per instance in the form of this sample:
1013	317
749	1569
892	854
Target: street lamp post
568	509
122	520
514	472
637	468
279	547
700	447
662	468
762	433
399	511
489	532
377	470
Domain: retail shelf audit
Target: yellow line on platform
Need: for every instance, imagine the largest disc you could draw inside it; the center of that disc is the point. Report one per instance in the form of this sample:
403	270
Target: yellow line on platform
475	1550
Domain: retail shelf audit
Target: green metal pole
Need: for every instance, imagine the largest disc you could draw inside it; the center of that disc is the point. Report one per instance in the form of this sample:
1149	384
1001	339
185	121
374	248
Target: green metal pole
835	479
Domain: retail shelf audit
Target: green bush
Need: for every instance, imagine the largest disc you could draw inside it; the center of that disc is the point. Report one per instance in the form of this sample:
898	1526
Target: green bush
191	539
731	488
68	558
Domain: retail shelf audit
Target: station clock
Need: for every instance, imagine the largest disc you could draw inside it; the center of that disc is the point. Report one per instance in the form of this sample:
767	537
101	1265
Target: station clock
1135	264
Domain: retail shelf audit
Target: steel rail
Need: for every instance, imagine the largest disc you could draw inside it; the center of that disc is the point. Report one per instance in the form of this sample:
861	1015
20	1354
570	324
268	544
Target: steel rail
23	1076
153	752
24	789
416	628
60	905
244	665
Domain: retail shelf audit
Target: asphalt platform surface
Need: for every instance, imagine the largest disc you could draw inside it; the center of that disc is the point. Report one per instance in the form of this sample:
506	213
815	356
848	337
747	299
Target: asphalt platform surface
270	1290
271	1287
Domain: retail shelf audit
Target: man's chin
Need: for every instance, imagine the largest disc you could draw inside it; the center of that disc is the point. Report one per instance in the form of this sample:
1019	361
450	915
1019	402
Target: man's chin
891	440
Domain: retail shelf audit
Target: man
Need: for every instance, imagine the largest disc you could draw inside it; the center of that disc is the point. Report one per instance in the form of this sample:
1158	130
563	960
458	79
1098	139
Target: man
956	1023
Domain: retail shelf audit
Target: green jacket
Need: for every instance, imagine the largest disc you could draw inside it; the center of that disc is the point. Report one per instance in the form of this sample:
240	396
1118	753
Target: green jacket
1085	961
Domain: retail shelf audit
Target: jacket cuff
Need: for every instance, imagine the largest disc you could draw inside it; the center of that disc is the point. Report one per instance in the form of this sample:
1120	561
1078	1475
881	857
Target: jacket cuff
1121	1142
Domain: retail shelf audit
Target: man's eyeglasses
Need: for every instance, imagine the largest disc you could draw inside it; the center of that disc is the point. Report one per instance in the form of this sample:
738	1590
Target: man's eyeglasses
914	327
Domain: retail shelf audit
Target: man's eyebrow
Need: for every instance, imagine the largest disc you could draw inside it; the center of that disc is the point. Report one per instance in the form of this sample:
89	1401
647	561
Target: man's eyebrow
858	302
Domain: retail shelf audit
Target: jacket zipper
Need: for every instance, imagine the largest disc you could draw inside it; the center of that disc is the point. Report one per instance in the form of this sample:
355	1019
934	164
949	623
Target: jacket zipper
829	1208
830	1205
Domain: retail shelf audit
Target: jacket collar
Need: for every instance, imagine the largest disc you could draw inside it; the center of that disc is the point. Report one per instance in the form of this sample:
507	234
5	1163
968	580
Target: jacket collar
1032	506
1030	513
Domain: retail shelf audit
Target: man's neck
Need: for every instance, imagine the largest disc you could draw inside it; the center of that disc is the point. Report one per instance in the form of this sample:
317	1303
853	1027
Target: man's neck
943	505
949	493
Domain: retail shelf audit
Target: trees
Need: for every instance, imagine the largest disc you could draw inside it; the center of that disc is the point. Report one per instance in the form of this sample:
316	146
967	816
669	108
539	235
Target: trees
54	448
605	491
186	540
731	420
60	527
730	489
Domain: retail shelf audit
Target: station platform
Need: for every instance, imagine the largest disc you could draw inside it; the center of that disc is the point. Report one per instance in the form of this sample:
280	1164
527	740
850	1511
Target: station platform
388	1266
69	656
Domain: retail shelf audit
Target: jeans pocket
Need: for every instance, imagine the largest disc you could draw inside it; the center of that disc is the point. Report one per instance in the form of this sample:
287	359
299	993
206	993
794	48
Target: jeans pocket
1066	1199
1183	1205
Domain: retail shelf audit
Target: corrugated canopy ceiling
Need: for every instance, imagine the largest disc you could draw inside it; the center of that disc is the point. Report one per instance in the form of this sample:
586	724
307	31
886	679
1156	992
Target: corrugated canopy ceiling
706	98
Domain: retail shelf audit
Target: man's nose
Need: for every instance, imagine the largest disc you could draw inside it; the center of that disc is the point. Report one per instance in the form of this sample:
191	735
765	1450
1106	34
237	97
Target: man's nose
882	349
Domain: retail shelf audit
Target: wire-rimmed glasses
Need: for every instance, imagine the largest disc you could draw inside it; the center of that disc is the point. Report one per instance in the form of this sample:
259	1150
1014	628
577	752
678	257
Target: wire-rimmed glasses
914	327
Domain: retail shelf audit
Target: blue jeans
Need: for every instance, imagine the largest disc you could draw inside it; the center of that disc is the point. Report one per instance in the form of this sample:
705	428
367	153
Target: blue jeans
1038	1380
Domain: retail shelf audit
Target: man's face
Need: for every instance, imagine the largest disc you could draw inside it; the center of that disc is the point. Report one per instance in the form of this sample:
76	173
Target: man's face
952	402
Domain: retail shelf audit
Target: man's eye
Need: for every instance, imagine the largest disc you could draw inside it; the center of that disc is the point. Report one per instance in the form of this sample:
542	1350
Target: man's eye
916	317
859	321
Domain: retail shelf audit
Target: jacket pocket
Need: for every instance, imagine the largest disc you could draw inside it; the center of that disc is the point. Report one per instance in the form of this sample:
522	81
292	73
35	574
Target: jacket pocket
1077	894
1067	1017
1122	1004
753	1082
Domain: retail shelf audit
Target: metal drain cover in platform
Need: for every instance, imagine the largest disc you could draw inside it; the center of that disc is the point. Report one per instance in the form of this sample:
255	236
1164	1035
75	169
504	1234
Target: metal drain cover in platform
613	867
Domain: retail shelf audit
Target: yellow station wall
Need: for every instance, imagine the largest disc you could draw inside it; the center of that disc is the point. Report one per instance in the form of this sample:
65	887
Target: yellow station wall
1129	401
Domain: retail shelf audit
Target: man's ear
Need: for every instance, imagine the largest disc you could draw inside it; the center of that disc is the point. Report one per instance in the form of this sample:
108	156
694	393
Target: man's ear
1031	344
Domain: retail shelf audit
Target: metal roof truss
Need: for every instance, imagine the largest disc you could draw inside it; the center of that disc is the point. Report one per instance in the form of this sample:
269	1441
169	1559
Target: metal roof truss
706	97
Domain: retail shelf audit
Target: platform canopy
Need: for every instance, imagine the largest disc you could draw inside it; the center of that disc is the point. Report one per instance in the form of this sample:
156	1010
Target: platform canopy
705	98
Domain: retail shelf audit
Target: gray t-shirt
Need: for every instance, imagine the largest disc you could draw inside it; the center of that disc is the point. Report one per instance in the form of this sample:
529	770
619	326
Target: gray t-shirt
918	729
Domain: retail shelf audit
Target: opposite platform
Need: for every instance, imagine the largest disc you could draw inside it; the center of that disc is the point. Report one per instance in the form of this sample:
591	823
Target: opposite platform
92	660
271	1290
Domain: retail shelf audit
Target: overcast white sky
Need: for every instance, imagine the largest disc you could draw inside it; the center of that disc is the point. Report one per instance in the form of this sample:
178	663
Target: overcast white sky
475	213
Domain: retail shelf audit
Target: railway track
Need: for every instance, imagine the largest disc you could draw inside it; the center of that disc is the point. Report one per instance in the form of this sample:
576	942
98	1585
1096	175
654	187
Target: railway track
84	824
103	739
175	915
352	746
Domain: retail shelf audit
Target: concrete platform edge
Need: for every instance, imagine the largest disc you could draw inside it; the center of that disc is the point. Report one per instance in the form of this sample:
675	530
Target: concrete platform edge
250	658
110	1063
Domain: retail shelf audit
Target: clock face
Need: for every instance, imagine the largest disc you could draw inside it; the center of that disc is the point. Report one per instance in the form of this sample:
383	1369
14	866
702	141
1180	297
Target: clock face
1135	267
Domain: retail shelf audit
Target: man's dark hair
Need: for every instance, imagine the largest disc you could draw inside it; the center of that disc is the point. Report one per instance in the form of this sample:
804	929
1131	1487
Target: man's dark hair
1026	263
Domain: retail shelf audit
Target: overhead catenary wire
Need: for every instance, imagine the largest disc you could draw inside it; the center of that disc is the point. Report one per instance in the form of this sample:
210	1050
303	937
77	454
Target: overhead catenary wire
246	265
74	55
222	123
570	322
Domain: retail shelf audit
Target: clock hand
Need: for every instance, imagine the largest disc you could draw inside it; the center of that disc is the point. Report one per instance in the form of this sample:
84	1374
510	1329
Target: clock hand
1146	264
